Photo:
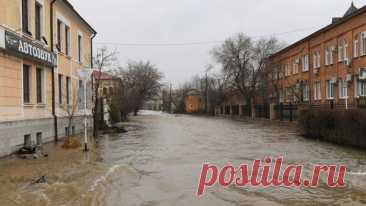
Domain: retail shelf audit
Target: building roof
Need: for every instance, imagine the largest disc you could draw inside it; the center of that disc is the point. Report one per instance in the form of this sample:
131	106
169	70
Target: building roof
351	12
68	4
103	76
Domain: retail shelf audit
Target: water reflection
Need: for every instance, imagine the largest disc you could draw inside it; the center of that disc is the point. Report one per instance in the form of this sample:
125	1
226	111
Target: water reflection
159	160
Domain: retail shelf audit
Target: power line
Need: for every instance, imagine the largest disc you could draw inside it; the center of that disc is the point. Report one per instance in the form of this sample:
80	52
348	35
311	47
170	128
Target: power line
194	43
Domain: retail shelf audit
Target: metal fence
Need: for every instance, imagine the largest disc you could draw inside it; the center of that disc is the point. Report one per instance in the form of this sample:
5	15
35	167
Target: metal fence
287	112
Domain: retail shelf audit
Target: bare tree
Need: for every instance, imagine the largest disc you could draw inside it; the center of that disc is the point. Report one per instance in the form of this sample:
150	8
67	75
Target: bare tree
244	62
140	83
143	79
103	59
71	110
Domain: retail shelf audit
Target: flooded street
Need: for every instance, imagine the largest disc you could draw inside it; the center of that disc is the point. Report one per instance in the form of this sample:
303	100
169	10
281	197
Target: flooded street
158	162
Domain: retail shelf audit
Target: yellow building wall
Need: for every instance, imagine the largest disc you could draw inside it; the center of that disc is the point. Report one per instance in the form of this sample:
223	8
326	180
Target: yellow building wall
10	81
10	14
11	92
69	65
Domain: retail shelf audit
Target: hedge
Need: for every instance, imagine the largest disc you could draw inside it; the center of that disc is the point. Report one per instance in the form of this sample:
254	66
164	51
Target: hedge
346	127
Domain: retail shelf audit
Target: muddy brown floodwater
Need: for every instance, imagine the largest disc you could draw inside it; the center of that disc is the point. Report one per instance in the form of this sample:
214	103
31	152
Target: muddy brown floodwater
158	162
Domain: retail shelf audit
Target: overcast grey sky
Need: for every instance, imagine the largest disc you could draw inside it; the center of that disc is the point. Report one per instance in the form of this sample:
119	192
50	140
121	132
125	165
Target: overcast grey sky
181	21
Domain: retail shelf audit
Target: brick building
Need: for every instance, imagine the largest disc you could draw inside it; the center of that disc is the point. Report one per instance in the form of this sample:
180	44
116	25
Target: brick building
328	66
194	102
43	45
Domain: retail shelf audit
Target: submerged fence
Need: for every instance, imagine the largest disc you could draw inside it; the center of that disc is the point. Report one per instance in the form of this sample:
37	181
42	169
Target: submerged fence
285	111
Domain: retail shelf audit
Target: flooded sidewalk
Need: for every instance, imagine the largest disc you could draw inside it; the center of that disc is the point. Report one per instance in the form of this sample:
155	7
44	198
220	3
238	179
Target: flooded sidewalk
158	162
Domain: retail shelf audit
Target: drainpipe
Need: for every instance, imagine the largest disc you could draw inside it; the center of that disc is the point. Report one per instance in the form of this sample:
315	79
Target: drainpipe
91	49
53	73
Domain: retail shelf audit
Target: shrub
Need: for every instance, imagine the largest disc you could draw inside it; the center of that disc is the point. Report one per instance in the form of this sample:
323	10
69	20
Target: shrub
341	127
71	143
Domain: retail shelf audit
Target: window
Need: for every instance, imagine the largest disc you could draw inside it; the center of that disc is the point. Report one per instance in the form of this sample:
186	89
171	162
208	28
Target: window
67	40
343	89
60	85
330	89
305	65
296	66
306	93
59	36
25	16
317	91
27	140
26	83
329	55
363	44
342	51
68	87
345	50
316	60
356	46
362	88
80	39
39	19
39	139
39	77
287	69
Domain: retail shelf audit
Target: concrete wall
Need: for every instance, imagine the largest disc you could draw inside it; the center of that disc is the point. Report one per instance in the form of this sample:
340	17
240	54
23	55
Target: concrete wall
12	133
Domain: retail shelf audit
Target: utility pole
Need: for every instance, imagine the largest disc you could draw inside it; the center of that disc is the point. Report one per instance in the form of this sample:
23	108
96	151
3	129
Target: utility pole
206	88
208	68
170	98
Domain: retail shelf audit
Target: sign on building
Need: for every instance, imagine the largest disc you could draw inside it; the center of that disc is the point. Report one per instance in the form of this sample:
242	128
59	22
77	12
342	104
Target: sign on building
25	48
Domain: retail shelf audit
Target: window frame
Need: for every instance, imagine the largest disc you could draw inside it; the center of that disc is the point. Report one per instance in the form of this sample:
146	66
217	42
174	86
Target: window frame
60	89
68	90
343	89
39	33
361	86
59	35
317	91
80	47
356	46
67	40
305	65
26	16
330	89
40	81
306	93
27	92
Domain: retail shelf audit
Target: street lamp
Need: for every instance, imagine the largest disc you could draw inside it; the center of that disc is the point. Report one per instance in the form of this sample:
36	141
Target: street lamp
85	75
